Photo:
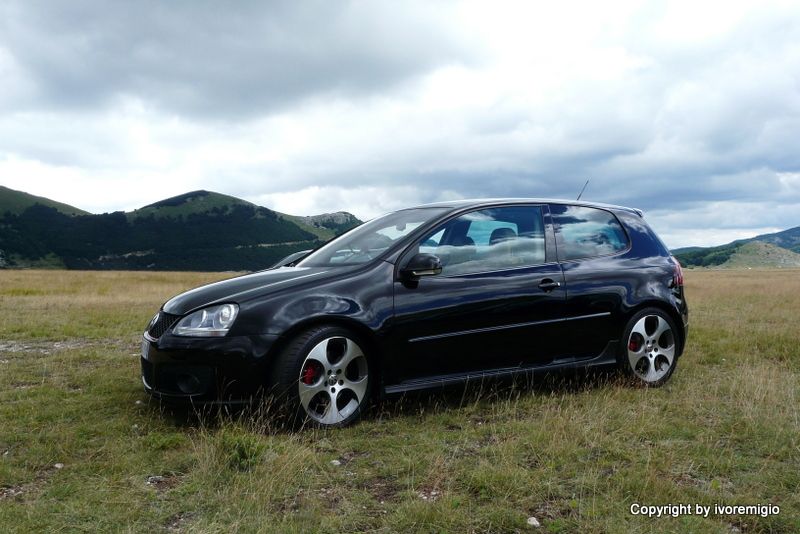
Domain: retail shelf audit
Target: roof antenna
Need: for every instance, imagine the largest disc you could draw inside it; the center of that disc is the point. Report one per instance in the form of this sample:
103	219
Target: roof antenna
582	190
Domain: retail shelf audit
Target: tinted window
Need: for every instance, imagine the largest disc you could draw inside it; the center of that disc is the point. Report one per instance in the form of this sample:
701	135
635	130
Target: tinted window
583	232
488	240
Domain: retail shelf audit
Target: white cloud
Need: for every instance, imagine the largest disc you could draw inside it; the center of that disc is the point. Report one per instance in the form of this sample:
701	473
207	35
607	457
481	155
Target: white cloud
688	111
365	201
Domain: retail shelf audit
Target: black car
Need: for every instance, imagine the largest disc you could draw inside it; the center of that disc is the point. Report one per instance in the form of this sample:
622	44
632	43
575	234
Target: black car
424	297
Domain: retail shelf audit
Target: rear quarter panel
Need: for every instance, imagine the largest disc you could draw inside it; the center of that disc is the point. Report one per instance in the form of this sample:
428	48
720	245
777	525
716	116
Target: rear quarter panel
620	284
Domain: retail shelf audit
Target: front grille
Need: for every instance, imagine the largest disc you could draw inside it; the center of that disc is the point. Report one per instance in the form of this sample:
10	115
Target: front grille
161	324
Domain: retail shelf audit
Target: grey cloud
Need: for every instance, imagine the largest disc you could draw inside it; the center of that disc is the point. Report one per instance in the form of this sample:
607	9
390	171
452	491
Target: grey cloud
696	135
214	59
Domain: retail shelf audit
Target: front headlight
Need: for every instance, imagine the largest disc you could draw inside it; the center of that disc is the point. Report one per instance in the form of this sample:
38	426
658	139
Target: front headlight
212	321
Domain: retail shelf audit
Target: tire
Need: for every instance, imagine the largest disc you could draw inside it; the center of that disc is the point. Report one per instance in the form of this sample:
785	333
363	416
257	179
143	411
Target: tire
649	351
322	377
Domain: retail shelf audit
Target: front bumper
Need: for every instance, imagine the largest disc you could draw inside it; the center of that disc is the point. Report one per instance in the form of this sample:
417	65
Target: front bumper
222	370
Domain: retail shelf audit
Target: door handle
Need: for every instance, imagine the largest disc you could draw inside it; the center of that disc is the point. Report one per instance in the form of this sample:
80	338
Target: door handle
549	284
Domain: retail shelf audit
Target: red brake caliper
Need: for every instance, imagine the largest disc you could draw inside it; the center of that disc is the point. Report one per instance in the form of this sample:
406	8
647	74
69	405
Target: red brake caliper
310	374
634	344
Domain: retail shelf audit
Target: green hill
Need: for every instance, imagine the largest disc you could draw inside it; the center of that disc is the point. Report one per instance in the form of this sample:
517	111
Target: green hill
326	225
15	202
706	257
757	254
788	239
200	230
191	203
746	252
779	249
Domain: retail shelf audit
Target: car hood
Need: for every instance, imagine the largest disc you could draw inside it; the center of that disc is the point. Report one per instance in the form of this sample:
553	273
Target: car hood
243	288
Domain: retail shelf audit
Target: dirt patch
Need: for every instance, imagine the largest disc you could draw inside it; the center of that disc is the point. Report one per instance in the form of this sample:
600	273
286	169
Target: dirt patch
179	522
382	489
349	456
476	447
163	482
23	385
688	480
555	510
16	491
330	496
9	492
429	494
47	348
292	504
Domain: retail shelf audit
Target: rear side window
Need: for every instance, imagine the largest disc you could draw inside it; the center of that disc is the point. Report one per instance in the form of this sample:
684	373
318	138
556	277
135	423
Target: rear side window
583	232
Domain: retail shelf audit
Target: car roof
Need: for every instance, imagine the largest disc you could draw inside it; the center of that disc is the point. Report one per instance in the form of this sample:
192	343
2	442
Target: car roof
478	202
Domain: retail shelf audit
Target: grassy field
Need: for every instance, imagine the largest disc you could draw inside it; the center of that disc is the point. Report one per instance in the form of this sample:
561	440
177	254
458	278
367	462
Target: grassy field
83	449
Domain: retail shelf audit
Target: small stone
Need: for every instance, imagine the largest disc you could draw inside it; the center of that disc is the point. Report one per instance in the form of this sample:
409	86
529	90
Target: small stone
139	403
533	522
337	463
155	479
59	466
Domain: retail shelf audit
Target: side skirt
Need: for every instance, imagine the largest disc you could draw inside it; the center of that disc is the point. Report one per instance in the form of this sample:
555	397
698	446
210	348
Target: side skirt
606	358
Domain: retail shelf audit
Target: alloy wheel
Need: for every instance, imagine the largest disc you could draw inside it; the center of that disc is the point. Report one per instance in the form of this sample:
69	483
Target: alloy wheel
333	380
651	348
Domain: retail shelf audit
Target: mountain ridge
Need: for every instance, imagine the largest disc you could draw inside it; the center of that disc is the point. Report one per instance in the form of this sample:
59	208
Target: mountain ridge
205	230
199	230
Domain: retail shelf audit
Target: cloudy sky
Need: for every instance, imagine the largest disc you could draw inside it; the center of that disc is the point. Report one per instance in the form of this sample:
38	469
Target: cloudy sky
688	110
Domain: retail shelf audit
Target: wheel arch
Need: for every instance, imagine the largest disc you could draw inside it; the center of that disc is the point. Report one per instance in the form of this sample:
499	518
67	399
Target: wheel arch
363	332
666	308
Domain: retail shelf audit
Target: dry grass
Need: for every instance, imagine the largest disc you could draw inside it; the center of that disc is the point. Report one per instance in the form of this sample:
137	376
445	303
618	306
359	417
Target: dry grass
574	453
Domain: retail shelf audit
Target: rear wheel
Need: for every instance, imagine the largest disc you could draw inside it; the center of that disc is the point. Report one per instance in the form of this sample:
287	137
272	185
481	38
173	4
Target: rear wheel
650	352
322	376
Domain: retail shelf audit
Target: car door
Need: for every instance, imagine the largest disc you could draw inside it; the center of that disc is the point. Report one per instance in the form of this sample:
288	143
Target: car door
496	303
591	246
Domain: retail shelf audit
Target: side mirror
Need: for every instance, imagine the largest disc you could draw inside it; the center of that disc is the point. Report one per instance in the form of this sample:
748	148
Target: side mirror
291	259
420	265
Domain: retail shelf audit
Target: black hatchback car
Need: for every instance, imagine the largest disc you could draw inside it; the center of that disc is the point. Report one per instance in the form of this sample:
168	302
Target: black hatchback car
424	297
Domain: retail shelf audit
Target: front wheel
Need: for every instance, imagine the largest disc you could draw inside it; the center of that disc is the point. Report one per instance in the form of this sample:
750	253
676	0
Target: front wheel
323	376
650	352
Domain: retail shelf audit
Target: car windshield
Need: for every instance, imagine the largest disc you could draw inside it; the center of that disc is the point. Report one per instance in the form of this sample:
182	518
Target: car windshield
371	239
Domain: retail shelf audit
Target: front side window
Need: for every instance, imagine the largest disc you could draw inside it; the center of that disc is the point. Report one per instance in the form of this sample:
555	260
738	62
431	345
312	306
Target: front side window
371	239
583	232
488	240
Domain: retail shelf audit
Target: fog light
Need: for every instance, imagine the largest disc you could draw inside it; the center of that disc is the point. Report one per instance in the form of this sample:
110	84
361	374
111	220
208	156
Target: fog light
188	383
